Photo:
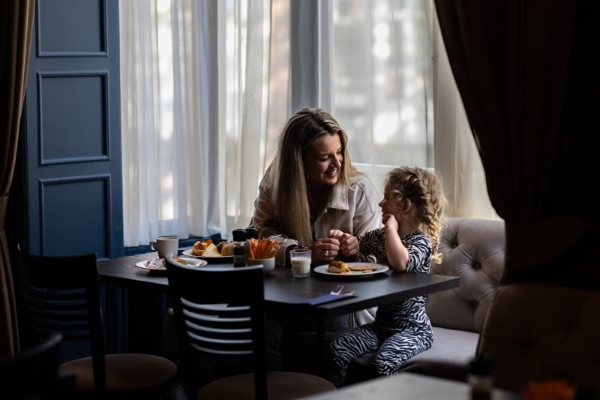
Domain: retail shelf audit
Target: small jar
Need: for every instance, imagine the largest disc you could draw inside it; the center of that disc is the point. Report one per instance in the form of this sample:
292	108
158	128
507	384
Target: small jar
251	233
239	248
480	378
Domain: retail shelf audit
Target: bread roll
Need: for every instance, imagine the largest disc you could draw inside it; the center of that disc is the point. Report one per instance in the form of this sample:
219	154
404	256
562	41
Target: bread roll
227	249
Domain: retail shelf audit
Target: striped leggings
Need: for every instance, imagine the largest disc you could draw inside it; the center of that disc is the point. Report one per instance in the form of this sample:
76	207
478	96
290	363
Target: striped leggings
393	349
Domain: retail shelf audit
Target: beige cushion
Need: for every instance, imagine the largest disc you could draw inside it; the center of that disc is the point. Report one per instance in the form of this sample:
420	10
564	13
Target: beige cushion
473	250
538	331
123	372
281	386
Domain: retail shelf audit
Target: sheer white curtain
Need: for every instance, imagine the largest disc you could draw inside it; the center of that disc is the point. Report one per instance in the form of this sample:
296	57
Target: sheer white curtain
381	83
394	93
207	86
200	111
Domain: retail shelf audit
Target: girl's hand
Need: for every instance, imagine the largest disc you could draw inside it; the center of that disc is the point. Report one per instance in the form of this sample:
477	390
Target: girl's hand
336	234
325	250
349	245
389	222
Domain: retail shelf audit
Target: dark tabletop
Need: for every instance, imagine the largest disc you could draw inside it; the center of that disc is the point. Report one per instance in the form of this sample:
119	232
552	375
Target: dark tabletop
283	292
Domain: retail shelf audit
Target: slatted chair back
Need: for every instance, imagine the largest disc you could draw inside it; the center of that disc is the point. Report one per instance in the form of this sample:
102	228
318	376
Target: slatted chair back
219	314
62	295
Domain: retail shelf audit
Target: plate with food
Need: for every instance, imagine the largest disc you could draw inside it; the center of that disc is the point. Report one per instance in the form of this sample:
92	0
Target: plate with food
353	269
159	264
206	250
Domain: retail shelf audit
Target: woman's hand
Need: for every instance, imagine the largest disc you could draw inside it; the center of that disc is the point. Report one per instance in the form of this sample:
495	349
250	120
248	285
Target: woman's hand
349	245
325	250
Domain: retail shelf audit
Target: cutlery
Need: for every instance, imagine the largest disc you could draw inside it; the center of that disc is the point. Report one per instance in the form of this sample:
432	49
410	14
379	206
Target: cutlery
337	291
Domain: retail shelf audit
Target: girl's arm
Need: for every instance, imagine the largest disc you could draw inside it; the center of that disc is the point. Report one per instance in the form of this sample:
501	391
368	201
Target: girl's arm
396	252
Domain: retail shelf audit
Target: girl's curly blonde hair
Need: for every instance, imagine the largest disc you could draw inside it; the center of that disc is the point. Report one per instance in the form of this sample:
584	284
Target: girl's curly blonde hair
424	190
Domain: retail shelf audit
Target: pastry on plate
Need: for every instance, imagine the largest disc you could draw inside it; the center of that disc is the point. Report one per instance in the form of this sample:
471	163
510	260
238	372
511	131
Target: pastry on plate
363	268
211	251
178	259
225	248
339	267
200	246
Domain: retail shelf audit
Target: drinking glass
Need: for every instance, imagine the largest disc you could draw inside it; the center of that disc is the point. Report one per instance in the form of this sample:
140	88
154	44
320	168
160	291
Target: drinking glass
300	259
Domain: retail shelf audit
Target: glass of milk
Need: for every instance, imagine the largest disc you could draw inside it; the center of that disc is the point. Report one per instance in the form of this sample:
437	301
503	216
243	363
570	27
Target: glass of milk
300	259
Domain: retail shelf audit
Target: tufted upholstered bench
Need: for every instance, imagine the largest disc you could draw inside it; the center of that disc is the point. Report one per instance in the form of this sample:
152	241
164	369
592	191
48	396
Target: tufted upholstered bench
474	251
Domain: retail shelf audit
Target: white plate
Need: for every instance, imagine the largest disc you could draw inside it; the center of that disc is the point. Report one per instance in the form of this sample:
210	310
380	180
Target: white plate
156	264
322	269
210	260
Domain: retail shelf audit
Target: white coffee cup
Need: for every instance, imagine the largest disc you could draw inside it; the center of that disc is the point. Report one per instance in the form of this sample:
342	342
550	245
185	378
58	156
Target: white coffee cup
165	245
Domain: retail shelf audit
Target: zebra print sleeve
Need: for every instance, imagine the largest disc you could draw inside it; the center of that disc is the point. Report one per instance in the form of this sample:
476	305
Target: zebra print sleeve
373	242
419	252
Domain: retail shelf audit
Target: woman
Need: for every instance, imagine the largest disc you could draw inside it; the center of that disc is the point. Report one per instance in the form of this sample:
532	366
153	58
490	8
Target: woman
310	189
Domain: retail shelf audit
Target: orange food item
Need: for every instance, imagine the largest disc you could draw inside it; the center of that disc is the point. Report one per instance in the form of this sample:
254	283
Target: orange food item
260	249
549	390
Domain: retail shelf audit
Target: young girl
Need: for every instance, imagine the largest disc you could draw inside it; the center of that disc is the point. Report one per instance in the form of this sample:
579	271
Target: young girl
413	198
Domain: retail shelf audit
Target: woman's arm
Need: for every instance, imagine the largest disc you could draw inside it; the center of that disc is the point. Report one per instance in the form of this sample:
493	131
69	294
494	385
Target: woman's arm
367	215
264	220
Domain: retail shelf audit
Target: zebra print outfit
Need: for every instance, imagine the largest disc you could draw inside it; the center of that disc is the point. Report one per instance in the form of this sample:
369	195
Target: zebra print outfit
400	331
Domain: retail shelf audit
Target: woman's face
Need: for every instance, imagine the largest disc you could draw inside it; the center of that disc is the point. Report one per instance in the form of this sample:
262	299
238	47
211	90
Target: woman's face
323	161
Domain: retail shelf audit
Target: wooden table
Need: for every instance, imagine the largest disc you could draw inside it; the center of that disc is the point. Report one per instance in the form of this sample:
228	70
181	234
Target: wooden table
286	293
408	386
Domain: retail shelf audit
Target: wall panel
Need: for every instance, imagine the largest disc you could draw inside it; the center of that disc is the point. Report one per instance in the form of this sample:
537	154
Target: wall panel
72	130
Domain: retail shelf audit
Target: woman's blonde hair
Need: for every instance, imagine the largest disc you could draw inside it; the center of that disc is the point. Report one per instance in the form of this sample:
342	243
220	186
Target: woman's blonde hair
286	174
424	190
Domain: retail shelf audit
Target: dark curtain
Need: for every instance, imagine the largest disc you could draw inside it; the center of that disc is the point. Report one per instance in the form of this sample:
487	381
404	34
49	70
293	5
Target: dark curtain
15	40
510	59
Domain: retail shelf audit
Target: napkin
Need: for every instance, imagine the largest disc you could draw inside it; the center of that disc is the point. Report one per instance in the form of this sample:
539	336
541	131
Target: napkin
327	298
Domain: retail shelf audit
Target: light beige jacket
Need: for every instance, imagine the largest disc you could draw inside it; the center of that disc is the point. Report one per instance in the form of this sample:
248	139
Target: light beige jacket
354	211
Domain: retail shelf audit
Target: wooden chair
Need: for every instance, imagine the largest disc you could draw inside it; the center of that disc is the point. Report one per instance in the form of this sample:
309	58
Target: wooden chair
33	373
219	315
62	294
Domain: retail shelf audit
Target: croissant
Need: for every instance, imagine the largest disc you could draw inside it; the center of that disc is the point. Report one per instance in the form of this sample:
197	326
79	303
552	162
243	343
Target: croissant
339	267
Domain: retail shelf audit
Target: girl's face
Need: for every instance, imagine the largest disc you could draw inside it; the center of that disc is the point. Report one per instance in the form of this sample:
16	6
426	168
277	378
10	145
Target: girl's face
323	161
387	207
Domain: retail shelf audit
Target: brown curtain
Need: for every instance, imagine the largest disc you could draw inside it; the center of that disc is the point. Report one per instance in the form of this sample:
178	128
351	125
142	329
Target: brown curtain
15	42
510	59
